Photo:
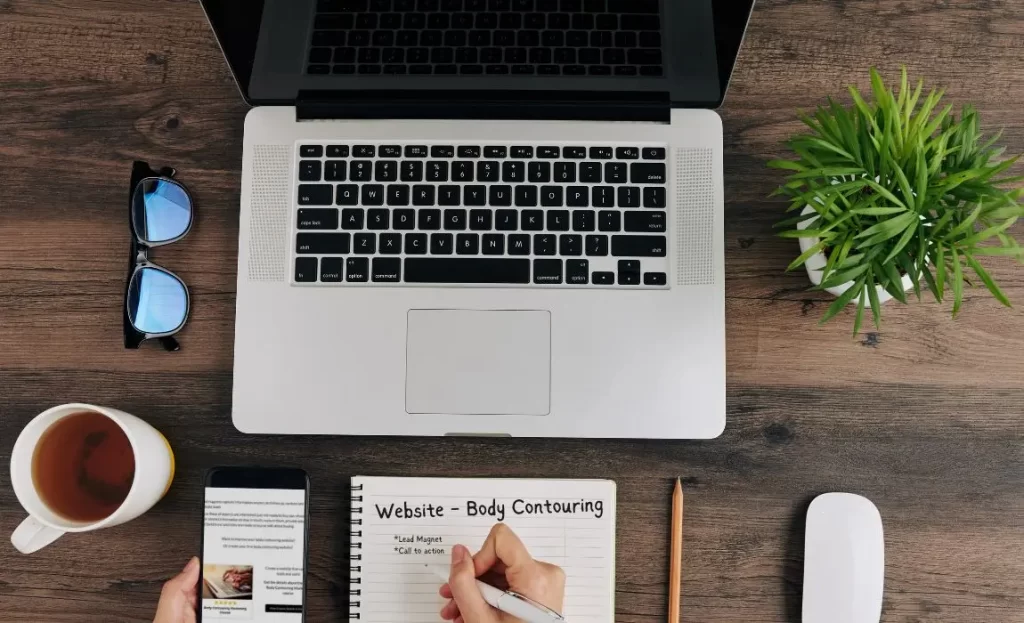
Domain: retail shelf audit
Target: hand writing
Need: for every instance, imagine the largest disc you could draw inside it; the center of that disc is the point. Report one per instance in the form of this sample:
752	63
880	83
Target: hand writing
178	597
503	561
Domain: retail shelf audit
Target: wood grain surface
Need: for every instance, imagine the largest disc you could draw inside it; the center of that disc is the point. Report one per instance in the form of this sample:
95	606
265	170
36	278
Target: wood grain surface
923	416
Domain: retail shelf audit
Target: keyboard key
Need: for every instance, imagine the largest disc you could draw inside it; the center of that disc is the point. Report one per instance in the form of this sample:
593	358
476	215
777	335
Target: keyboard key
506	220
377	218
335	171
309	170
373	195
322	244
547	152
455	219
398	195
654	197
316	194
442	151
547	271
364	244
639	246
654	153
551	196
494	244
570	244
411	171
429	219
364	151
348	195
311	151
558	220
415	244
357	269
422	195
495	152
654	279
577	197
337	151
469	151
577	272
597	245
480	220
404	219
512	171
533	220
437	171
441	244
466	270
629	272
544	244
627	153
487	171
539	172
415	151
475	195
352	218
583	220
603	196
305	269
332	269
565	172
462	171
526	196
390	151
318	218
574	152
467	244
647	173
360	170
608	220
645	221
629	197
615	172
501	195
603	278
390	243
519	244
522	151
600	153
387	269
590	172
449	195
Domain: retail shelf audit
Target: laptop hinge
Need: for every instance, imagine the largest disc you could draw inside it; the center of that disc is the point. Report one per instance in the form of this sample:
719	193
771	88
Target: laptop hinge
513	105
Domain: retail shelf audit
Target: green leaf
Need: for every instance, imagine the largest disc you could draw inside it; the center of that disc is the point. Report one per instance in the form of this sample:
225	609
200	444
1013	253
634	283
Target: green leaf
786	164
839	279
908	193
940	269
800	233
987	280
888	228
930	280
881	211
987	233
841	302
895	284
1017	252
803	257
884	192
958	281
964	225
859	316
904	239
876	307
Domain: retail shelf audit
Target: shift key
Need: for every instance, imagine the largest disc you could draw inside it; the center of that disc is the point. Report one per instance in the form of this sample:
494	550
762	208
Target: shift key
323	244
639	246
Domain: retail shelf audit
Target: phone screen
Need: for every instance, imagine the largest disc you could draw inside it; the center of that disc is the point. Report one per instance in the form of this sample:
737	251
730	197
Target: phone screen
254	557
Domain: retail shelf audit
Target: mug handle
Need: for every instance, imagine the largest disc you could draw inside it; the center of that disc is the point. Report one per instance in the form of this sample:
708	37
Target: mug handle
32	536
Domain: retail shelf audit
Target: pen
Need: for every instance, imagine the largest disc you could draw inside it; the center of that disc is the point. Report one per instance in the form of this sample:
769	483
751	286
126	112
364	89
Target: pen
507	601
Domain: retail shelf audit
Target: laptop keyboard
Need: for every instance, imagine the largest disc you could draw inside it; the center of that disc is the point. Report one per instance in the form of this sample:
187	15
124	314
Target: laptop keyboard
581	214
496	37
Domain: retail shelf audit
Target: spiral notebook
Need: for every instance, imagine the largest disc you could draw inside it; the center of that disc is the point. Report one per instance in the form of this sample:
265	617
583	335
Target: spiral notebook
399	524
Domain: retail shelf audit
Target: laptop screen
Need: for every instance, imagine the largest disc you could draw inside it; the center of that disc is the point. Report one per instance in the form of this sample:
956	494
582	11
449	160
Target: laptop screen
279	48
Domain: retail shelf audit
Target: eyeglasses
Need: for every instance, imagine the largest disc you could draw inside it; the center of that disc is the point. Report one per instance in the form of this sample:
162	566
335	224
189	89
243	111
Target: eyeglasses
156	301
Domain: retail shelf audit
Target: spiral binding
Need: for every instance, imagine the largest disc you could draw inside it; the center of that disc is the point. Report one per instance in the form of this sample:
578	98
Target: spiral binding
355	580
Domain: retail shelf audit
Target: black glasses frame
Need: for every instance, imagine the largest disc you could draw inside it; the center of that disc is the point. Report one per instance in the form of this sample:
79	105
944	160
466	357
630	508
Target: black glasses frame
138	258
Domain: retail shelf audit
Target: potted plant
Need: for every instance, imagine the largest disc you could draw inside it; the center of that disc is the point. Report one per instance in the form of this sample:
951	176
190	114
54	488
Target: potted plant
894	192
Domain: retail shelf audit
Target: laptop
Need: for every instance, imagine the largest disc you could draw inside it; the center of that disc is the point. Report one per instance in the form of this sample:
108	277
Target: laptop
481	217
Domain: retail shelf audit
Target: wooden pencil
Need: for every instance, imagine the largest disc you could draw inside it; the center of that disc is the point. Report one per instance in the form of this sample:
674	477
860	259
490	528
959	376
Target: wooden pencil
675	575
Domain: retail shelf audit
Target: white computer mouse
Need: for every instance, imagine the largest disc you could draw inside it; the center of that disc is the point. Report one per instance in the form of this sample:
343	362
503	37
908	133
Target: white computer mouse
844	560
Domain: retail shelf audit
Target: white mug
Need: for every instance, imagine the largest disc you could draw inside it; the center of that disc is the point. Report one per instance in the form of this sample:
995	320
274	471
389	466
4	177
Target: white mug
154	470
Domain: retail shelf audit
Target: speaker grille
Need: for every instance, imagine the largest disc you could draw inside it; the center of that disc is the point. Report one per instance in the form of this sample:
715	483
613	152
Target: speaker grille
268	216
695	215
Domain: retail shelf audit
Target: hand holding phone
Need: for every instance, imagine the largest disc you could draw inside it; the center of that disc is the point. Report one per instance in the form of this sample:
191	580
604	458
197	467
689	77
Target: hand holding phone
255	527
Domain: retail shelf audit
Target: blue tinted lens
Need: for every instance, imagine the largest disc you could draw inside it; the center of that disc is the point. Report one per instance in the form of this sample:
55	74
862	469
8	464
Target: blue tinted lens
157	301
161	210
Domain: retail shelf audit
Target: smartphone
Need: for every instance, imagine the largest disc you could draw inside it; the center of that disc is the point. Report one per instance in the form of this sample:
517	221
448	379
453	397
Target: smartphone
253	551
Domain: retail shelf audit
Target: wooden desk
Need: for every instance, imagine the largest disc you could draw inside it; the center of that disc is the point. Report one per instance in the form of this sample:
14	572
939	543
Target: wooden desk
923	417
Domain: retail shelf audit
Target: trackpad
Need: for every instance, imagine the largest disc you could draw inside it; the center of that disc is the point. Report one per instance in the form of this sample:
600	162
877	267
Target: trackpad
468	362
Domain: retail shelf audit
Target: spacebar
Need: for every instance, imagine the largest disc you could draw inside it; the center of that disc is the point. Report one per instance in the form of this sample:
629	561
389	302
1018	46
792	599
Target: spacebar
459	270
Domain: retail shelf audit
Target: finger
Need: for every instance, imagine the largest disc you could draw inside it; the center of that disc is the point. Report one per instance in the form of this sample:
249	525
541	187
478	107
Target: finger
189	578
503	546
450	611
445	591
465	592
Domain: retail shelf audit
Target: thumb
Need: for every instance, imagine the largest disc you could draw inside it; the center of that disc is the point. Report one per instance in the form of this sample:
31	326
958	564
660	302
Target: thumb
465	592
187	579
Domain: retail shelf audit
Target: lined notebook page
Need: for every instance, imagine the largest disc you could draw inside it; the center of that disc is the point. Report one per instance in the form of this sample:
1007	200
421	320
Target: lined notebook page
401	523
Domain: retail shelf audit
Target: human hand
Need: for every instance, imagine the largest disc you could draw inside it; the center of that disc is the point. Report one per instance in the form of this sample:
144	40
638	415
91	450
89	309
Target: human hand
178	597
504	562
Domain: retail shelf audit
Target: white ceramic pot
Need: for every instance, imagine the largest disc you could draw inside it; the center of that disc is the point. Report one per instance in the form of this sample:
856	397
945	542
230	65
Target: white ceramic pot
816	264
